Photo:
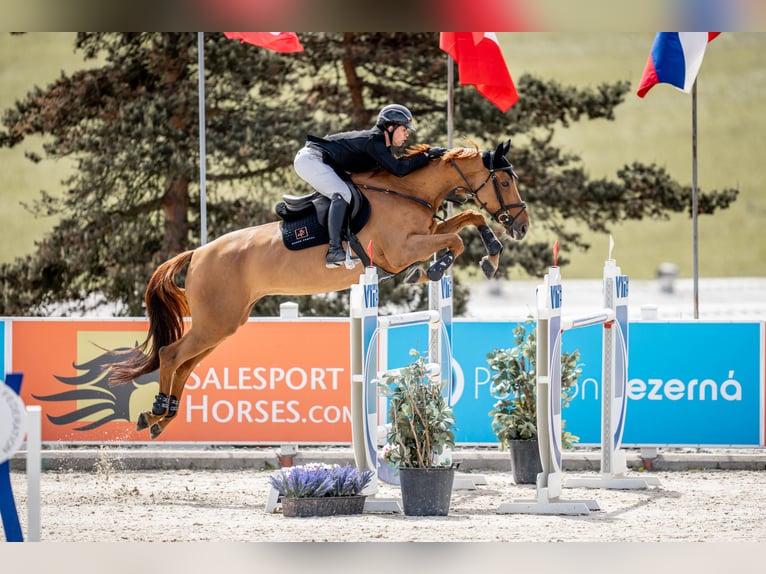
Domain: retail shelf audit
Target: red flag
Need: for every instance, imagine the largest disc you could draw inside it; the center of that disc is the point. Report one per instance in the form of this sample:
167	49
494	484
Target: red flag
481	64
276	41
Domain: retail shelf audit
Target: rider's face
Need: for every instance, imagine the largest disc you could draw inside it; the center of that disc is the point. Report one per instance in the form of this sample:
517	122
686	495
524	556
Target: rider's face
400	135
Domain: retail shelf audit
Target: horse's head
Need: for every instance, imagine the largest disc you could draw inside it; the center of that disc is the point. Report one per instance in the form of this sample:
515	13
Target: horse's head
494	189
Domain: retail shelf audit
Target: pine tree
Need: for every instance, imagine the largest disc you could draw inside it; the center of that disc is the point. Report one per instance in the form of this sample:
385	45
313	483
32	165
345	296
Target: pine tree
130	122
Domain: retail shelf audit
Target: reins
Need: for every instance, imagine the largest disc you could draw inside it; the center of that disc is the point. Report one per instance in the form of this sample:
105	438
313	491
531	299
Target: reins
419	200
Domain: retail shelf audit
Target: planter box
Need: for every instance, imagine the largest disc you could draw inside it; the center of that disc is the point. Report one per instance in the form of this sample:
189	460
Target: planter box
324	506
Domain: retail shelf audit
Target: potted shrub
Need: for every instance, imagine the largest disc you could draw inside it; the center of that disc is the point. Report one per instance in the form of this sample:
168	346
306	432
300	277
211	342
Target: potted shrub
421	434
320	489
514	416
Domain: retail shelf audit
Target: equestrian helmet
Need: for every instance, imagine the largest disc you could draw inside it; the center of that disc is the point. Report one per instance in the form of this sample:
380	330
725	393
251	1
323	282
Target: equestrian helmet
395	115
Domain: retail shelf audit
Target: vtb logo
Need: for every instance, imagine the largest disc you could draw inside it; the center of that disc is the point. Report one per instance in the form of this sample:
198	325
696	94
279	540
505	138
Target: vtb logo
370	296
621	285
555	292
446	287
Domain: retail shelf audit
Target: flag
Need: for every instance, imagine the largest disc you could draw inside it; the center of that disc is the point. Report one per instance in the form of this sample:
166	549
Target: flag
481	64
276	41
675	59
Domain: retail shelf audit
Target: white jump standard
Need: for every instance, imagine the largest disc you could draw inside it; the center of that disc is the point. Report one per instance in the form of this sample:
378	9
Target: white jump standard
550	327
369	367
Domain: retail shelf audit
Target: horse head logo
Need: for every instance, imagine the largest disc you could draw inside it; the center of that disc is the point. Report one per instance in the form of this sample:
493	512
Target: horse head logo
97	401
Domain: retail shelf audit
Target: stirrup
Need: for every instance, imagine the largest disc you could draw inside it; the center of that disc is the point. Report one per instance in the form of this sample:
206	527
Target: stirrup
351	260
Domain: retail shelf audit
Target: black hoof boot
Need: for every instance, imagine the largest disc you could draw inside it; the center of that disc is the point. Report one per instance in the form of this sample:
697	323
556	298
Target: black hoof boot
491	243
160	406
436	271
172	407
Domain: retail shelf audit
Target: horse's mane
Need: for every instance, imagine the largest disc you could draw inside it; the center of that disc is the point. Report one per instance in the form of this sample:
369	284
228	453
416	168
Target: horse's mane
452	153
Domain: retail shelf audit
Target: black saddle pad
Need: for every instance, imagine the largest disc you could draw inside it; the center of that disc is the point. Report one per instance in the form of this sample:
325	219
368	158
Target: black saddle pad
305	230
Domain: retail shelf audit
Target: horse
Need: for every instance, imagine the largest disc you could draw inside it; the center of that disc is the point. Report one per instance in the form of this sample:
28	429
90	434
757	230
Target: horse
228	275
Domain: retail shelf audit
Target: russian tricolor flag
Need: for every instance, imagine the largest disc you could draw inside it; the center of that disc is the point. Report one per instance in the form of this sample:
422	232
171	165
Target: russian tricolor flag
675	59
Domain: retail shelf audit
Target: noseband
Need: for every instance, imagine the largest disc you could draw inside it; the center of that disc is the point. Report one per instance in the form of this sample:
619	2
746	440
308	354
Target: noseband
503	215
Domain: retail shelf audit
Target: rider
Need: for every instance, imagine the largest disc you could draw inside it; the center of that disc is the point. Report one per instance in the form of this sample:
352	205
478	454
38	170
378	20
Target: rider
355	152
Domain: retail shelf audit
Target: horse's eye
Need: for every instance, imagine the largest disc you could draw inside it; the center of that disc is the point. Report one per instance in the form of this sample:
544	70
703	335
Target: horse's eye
505	184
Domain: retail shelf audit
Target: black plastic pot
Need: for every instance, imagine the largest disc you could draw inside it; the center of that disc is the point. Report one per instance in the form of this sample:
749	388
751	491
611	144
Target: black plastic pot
525	461
426	491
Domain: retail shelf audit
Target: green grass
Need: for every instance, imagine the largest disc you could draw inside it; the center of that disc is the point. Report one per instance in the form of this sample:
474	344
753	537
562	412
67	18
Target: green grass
657	129
34	59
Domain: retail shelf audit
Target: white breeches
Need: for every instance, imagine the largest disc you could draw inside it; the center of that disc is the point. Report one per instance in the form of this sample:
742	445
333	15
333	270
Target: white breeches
310	167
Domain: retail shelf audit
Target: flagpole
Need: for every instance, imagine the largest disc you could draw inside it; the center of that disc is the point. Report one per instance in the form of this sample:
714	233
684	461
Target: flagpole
450	98
695	252
450	122
202	192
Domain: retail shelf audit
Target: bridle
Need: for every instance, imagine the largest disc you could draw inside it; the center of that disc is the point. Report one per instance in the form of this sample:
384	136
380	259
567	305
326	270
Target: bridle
503	215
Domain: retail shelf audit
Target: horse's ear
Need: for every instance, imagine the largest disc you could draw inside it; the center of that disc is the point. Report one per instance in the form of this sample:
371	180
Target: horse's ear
500	152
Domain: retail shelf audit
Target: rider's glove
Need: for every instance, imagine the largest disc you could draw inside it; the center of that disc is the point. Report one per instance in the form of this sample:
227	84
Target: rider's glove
435	152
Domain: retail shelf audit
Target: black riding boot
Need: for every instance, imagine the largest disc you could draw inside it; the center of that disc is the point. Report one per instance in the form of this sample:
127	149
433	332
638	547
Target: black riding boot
336	216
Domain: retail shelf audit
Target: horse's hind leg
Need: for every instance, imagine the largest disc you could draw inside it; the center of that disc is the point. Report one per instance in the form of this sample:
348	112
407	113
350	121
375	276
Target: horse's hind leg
147	419
172	357
179	382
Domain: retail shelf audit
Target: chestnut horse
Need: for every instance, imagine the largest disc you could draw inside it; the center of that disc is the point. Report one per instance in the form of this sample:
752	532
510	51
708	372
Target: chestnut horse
228	275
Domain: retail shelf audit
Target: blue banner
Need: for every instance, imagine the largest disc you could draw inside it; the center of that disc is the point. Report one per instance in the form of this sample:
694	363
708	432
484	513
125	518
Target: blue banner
689	383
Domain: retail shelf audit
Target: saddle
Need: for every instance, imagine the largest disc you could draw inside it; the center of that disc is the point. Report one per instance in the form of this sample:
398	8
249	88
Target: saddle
304	220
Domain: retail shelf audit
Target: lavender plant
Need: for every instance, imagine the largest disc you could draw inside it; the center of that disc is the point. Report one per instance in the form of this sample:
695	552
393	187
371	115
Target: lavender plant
319	480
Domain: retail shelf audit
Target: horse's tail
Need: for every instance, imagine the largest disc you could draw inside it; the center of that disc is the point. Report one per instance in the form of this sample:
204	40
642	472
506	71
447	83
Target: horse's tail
166	306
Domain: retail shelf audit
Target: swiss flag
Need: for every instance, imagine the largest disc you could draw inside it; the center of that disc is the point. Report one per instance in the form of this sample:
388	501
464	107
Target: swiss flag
276	41
481	64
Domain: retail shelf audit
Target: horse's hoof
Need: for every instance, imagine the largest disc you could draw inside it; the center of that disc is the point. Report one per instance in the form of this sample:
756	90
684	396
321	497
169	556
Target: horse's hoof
415	276
155	431
142	422
488	268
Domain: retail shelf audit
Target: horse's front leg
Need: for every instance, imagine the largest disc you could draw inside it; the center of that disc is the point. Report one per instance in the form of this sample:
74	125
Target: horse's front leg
420	247
492	244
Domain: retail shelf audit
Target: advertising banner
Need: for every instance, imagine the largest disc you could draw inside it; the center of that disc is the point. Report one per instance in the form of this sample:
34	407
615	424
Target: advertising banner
271	382
280	381
689	383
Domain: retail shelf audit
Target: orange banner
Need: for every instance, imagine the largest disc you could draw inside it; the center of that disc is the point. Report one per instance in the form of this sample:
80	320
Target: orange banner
272	382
